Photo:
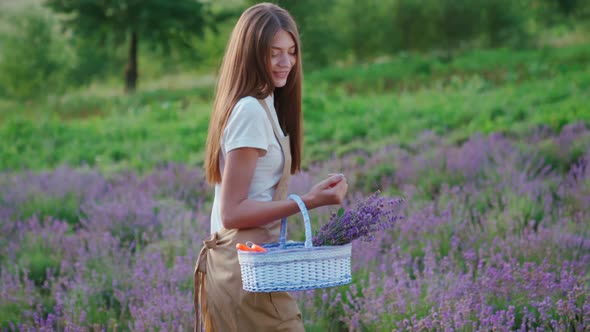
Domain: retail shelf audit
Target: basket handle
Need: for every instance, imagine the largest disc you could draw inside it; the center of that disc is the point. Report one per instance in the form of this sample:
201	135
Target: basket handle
301	205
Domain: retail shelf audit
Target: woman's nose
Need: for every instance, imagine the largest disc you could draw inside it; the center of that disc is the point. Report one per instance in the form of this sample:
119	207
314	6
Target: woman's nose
285	61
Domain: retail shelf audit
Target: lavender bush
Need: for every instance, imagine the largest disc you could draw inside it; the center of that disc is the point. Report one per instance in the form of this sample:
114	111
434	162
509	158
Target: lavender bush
495	237
370	215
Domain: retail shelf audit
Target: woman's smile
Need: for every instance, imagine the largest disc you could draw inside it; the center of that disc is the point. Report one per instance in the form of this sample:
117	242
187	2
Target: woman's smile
283	57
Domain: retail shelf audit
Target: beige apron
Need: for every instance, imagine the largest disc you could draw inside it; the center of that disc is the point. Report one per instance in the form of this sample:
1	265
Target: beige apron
221	305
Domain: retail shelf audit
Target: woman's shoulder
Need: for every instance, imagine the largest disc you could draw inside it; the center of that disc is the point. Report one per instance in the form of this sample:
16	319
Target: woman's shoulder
247	108
247	124
248	102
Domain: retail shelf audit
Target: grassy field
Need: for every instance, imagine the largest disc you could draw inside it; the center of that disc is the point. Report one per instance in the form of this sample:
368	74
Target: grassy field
344	109
103	205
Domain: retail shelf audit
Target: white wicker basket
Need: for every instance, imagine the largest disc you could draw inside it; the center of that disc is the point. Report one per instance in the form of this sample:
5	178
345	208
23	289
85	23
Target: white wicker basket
295	266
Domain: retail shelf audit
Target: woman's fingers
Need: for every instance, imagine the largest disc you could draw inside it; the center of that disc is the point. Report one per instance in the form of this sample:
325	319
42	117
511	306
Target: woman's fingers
328	192
339	190
332	180
335	192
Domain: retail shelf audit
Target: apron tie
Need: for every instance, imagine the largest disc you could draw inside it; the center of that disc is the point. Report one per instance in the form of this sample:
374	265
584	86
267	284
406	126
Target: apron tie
200	297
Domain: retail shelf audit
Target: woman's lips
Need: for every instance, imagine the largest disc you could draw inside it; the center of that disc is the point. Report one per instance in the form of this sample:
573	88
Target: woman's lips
281	74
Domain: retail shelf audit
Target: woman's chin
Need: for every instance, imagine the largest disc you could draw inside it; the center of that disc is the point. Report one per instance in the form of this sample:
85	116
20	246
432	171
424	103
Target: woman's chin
280	83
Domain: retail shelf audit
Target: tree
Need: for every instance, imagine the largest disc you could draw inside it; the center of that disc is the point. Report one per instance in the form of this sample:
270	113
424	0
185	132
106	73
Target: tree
164	23
313	22
34	60
316	35
361	27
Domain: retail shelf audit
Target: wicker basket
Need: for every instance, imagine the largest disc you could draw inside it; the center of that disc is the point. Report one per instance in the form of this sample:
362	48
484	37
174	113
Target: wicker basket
295	266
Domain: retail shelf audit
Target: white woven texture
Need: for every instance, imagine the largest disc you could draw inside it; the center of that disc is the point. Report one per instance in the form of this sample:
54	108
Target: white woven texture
295	269
295	266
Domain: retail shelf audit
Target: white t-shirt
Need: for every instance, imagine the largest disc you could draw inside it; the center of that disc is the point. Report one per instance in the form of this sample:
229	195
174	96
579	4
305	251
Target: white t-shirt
249	126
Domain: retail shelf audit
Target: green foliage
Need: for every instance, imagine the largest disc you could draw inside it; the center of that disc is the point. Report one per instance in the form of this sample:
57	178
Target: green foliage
64	208
94	60
359	28
478	91
409	25
34	61
562	157
569	7
160	23
210	49
185	35
100	306
38	260
142	131
555	13
314	21
528	212
344	30
38	60
11	312
454	21
503	22
39	263
448	24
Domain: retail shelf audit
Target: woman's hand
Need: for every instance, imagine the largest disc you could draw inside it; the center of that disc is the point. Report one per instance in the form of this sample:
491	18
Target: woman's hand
330	191
238	211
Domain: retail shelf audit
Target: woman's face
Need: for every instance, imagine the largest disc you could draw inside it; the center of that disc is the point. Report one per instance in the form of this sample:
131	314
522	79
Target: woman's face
283	57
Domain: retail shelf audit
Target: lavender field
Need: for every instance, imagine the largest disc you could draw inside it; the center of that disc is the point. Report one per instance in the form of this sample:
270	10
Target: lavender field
495	237
474	114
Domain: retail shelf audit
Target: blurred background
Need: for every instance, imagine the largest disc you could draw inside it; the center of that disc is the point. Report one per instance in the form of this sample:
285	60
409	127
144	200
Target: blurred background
105	83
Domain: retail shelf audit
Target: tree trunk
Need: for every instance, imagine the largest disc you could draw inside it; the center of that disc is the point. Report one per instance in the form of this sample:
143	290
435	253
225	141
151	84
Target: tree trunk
131	70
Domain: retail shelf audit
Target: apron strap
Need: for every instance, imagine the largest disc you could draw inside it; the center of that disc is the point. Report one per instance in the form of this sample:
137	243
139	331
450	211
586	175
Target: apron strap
278	132
282	187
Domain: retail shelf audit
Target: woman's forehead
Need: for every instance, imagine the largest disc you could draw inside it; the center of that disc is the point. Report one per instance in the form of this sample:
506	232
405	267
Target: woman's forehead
283	40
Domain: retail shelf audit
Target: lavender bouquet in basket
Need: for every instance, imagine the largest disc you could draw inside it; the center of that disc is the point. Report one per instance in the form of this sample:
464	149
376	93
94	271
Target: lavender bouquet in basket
372	214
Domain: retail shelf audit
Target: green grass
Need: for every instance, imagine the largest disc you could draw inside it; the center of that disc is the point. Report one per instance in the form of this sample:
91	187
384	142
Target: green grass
460	111
345	109
416	71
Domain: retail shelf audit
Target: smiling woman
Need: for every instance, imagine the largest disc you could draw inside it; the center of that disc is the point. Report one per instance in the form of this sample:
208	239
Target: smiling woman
253	147
283	58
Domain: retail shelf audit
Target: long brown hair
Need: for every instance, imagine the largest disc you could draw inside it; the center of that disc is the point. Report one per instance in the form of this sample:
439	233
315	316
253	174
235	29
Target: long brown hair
246	71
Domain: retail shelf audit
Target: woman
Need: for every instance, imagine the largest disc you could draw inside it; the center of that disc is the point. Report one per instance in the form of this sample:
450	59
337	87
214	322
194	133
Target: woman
253	146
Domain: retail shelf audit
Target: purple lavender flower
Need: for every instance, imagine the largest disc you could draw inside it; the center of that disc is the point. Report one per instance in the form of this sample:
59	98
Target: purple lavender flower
370	215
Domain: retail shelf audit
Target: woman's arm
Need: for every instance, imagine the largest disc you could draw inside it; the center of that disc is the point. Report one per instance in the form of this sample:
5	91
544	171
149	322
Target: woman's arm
237	211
